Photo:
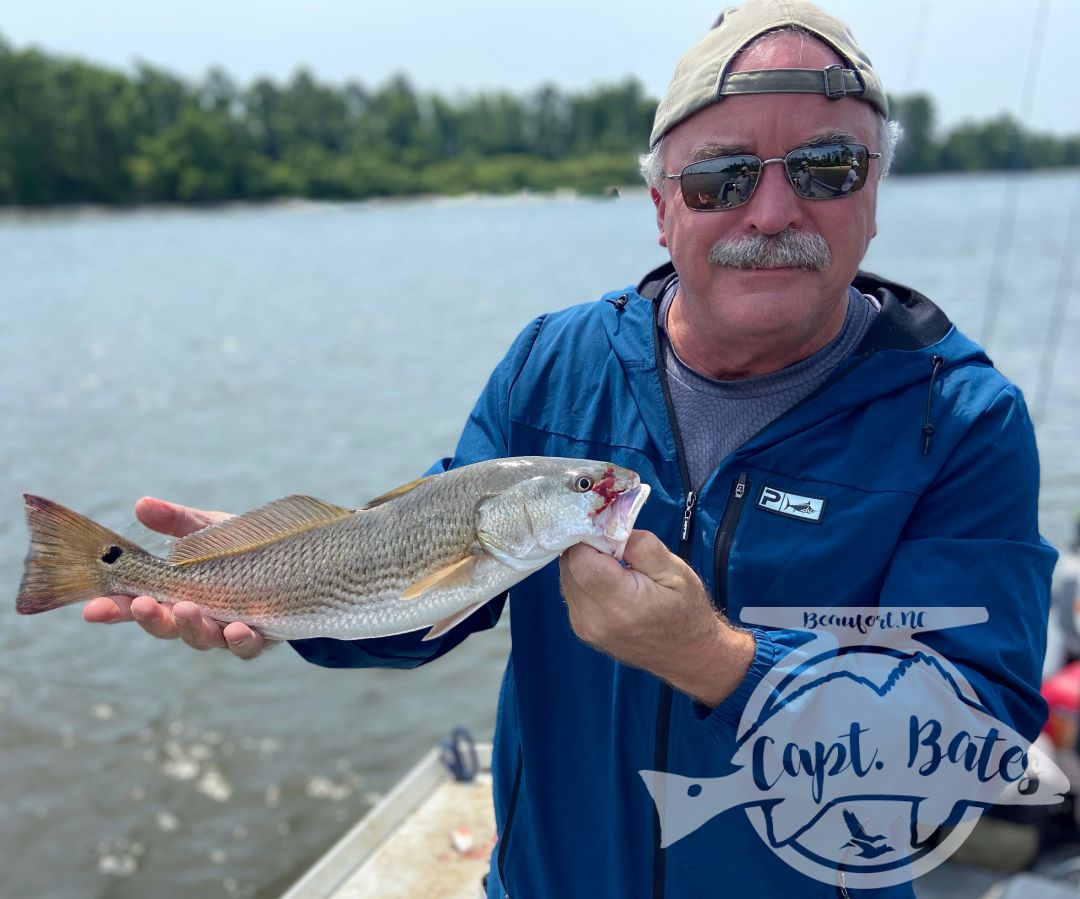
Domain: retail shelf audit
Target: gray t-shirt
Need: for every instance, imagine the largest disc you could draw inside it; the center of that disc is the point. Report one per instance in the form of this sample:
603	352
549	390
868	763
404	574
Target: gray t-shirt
716	417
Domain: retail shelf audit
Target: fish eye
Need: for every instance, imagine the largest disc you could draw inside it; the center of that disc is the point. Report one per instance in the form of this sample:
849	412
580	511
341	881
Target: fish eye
583	484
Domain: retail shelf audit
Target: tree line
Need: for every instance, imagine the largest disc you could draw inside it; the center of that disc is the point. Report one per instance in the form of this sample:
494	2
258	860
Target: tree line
75	132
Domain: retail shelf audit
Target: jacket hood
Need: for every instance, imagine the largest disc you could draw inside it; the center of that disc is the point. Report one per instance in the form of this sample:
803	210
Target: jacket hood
911	341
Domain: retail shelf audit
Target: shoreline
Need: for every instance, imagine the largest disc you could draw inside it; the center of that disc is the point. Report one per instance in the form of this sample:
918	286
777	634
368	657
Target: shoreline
91	210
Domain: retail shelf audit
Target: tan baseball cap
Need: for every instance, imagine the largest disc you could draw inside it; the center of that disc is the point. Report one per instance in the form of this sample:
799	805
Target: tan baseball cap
701	77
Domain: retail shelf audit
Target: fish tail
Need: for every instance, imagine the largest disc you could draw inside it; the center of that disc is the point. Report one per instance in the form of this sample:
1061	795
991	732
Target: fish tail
69	557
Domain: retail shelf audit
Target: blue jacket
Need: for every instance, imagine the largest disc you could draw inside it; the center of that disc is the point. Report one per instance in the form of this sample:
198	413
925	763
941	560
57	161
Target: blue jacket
927	459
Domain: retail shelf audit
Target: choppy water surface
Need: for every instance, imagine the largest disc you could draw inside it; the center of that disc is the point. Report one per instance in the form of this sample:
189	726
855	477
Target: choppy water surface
228	357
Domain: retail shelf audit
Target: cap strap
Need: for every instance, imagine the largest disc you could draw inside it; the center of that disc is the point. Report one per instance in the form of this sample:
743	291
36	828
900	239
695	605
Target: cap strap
834	82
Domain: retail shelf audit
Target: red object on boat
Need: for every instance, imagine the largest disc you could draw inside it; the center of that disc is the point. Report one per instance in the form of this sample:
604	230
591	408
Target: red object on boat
1062	693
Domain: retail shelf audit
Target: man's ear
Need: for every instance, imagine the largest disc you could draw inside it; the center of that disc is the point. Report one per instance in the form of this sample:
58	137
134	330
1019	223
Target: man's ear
660	203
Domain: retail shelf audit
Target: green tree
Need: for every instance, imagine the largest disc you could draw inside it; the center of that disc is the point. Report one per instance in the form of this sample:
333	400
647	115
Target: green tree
158	99
997	144
67	129
549	127
493	124
611	118
918	151
219	94
394	115
199	157
71	132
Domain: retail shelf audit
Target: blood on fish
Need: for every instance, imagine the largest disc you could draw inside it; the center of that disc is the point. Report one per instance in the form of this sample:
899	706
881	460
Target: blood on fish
605	489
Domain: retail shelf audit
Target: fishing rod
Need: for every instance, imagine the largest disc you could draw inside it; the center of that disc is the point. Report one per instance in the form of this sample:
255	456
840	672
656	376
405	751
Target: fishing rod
1011	197
1056	322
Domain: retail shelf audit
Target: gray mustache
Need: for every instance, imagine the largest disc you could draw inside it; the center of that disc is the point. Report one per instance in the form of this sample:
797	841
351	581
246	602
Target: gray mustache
789	248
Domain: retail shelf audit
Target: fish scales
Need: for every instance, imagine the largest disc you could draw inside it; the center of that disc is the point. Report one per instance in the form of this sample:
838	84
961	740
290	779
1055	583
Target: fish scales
365	561
447	543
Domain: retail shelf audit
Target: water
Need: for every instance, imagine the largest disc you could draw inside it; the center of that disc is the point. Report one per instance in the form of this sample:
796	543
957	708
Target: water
227	357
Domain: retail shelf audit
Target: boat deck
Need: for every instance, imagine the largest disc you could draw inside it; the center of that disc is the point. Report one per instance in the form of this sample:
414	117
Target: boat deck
430	836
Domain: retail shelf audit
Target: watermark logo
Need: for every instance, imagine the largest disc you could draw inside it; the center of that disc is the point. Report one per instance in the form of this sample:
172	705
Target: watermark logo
858	749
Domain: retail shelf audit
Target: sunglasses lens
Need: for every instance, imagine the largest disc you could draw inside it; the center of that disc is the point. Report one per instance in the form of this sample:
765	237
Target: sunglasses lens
827	172
721	183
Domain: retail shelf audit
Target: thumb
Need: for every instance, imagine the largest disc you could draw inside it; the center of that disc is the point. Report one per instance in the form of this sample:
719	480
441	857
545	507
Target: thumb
173	518
647	554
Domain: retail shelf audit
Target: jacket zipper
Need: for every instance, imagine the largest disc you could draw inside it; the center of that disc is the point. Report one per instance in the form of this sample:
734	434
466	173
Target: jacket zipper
686	535
725	536
663	705
687	519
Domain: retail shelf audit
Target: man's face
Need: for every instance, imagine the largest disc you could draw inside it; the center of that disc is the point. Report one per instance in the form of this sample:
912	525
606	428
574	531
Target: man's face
786	303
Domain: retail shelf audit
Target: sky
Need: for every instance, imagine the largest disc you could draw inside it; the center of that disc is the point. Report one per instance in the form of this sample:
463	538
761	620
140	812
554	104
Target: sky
976	58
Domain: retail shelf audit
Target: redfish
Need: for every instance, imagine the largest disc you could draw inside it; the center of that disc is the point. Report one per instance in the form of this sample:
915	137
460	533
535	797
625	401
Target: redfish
425	555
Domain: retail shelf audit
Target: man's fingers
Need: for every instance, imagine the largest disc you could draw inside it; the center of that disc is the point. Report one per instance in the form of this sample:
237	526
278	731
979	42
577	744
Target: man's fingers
589	567
184	621
173	518
154	618
242	641
107	610
645	552
196	629
586	572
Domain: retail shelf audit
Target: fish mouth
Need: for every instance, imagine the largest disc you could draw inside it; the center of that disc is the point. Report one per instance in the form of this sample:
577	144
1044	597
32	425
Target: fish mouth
620	517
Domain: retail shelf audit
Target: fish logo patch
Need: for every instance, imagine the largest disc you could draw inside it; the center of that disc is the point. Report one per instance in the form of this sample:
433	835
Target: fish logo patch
793	505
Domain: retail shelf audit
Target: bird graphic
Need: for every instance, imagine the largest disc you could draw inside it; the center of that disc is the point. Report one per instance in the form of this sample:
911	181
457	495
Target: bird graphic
862	840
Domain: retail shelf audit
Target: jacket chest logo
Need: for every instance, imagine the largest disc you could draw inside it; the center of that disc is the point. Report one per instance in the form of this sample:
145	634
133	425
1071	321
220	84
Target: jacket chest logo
791	505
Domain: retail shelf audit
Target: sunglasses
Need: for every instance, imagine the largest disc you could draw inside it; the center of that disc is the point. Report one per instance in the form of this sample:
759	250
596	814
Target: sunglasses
823	172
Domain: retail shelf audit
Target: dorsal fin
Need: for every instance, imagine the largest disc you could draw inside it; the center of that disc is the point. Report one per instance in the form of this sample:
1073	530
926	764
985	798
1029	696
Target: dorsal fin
395	493
268	524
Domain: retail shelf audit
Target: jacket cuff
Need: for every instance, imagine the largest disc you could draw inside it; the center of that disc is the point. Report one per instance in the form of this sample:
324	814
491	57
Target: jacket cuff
767	652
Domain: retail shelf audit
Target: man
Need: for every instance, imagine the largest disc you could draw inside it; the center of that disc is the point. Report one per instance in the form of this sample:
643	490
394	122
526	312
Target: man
744	184
759	358
804	179
851	178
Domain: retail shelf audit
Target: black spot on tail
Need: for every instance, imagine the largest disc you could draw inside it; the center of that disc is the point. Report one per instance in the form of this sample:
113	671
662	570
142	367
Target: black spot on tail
112	555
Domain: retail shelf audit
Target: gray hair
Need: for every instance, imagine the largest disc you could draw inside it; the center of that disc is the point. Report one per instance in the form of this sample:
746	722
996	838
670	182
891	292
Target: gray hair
652	163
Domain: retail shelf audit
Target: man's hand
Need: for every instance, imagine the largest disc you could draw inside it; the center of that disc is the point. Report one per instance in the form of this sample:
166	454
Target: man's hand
183	620
655	615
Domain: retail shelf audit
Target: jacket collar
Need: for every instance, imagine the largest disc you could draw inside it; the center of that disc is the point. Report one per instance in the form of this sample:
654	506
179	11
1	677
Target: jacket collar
907	321
909	341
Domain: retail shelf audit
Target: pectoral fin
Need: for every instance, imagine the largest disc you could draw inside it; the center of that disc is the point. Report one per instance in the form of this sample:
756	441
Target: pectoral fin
441	627
460	572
